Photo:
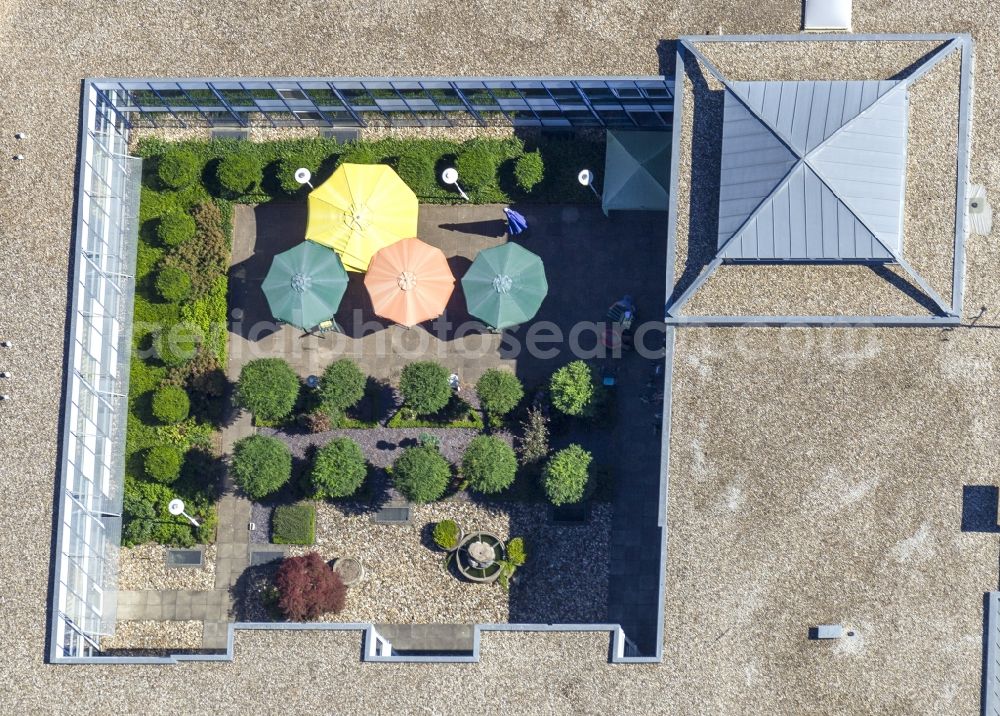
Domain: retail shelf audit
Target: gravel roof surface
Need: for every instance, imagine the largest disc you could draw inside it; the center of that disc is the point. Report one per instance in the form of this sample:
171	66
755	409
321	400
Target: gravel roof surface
139	638
145	567
922	657
565	579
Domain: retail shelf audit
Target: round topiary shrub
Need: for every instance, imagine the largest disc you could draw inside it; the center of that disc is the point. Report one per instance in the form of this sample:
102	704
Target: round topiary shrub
175	346
163	463
341	386
425	387
477	165
261	465
338	469
421	474
572	388
499	392
175	228
529	170
566	476
446	534
489	464
238	173
268	388
173	284
417	169
170	404
358	153
179	168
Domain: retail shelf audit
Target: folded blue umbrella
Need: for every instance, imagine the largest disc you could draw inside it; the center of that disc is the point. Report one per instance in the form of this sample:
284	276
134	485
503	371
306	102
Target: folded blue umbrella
516	223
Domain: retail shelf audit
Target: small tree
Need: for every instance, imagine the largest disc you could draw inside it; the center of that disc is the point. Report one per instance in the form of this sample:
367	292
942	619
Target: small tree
499	392
179	168
446	534
421	474
309	588
529	170
572	388
339	469
341	387
534	443
477	165
173	284
239	172
425	387
261	465
268	388
171	404
567	475
163	463
489	464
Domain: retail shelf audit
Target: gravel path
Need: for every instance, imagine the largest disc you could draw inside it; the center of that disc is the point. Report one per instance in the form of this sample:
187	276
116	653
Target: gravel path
145	567
381	446
565	579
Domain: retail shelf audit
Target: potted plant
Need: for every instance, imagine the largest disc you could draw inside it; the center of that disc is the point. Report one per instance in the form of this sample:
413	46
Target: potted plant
448	535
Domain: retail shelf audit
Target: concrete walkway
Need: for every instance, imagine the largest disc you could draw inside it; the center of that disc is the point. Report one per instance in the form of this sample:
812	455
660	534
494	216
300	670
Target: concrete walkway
232	557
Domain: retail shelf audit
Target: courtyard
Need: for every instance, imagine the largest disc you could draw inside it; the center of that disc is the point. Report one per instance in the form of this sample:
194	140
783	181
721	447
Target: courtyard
591	262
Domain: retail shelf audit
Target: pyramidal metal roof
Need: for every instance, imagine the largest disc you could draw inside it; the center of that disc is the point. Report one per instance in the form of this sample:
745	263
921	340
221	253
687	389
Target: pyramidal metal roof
813	171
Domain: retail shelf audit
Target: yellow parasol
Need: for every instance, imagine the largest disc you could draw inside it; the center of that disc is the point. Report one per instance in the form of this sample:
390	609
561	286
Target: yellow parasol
359	210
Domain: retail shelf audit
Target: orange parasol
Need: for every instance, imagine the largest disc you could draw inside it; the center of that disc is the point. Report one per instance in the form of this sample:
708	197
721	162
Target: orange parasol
409	282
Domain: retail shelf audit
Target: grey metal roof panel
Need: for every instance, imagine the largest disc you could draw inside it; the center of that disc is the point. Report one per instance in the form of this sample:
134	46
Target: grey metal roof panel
806	113
812	171
804	220
865	164
754	161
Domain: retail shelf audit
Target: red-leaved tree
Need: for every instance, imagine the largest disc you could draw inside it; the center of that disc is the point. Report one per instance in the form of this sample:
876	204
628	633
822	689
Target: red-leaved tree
308	587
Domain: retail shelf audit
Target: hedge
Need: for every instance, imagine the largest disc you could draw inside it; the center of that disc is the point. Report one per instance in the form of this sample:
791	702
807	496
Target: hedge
341	386
499	392
146	518
562	159
421	474
477	165
163	463
294	524
239	172
176	228
179	168
338	469
425	387
489	464
261	465
566	476
171	404
268	388
418	169
173	284
572	388
529	170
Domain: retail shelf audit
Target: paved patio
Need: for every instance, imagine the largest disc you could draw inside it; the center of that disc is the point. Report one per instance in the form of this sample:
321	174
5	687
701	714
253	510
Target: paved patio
590	261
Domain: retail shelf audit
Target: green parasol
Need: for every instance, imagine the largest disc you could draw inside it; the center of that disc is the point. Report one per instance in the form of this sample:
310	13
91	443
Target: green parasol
505	285
305	284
